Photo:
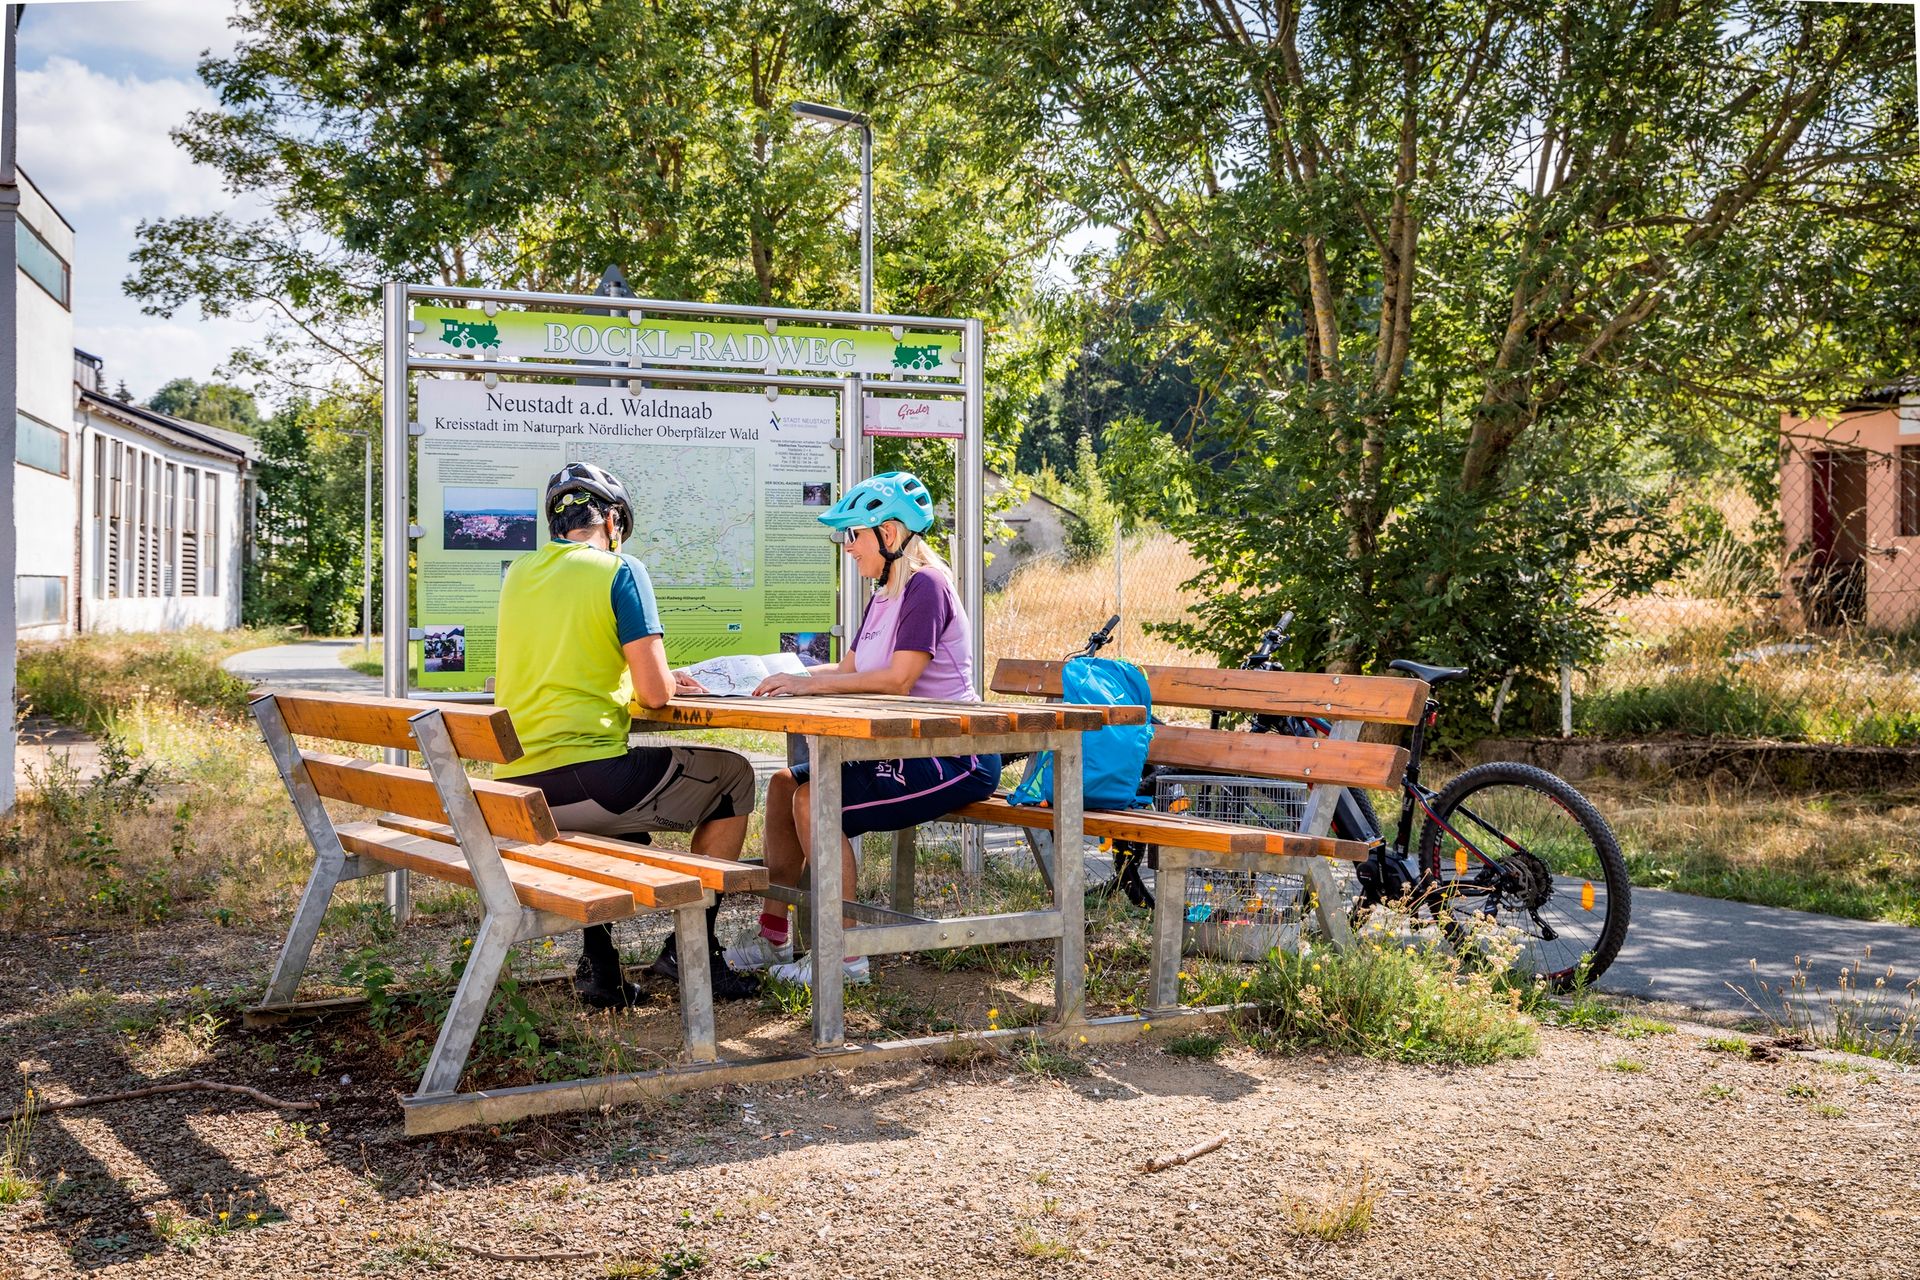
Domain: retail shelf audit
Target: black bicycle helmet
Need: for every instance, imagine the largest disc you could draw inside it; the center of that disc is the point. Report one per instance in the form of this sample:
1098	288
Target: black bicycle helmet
596	482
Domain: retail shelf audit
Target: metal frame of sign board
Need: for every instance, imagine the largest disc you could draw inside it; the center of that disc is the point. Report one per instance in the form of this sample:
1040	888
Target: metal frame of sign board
397	431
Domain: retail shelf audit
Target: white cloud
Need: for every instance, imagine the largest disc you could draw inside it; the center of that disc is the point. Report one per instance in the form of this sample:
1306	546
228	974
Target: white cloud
93	141
150	352
172	33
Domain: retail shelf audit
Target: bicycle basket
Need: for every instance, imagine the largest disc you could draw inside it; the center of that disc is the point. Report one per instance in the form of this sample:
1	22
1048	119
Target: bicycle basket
1238	915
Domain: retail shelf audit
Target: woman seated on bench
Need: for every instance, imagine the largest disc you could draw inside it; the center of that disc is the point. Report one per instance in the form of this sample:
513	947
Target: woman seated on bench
580	633
914	638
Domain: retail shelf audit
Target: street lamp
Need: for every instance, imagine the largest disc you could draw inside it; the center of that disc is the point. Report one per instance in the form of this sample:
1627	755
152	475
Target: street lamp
840	117
366	548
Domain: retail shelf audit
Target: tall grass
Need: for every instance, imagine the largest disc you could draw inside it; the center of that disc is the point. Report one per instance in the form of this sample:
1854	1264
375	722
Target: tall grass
1047	608
1713	668
86	681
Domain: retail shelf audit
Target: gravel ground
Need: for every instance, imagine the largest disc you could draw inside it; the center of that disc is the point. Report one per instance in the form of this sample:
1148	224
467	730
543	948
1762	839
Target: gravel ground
1600	1157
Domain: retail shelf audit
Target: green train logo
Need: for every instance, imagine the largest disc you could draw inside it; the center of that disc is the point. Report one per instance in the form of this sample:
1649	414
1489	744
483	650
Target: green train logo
920	359
464	333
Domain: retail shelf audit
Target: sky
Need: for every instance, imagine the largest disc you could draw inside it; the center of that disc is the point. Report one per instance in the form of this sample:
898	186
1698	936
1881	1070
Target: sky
100	87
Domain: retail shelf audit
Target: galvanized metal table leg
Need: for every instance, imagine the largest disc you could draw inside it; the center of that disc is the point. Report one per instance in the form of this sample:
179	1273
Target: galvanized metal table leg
696	980
905	849
469	1008
829	940
1317	820
329	856
1169	929
1069	876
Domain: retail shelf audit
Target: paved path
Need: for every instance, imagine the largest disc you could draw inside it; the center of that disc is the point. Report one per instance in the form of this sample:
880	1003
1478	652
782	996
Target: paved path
1687	950
313	664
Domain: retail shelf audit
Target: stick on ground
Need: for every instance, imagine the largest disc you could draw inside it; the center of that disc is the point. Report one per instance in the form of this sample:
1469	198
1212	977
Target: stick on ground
181	1086
1158	1163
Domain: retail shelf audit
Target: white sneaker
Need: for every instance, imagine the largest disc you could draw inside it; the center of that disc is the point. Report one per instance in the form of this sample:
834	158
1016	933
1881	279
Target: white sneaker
754	952
858	972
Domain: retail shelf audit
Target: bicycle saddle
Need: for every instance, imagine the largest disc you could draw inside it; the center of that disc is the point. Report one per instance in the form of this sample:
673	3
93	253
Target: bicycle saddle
1435	676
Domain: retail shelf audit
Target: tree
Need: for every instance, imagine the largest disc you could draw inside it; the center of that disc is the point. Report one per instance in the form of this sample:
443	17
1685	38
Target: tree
306	569
1474	289
212	404
525	144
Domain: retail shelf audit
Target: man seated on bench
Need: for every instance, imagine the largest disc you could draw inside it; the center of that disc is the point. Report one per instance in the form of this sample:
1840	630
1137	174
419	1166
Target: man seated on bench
580	634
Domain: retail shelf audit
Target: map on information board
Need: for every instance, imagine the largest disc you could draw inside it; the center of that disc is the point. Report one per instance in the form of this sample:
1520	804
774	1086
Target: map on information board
725	488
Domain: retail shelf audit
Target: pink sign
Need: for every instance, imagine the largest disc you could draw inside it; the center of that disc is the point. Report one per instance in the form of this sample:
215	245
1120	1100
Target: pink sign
896	416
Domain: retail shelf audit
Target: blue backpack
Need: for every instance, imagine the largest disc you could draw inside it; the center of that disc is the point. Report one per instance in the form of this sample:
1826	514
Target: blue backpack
1111	758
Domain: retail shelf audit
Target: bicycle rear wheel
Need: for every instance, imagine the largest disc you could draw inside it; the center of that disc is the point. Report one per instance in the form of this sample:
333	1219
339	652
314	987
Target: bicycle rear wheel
1513	852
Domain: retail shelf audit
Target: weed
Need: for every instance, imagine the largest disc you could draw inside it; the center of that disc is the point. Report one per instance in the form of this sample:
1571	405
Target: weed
1629	1066
791	999
1342	1216
1638	1028
759	1262
1801	1089
1198	1045
1717	1091
1041	1248
1828	1111
1044	1061
1729	1044
681	1260
1874	1021
1404	1003
15	1183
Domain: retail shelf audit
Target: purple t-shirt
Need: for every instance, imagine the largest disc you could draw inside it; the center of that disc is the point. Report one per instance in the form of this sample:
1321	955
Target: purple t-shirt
925	617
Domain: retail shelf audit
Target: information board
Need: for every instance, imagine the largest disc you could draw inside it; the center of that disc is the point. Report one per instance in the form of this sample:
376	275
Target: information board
725	487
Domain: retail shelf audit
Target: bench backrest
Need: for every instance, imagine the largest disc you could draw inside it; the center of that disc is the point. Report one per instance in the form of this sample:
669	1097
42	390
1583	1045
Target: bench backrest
511	812
1339	698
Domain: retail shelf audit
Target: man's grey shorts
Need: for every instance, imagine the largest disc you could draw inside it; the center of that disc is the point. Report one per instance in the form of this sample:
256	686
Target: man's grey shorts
633	793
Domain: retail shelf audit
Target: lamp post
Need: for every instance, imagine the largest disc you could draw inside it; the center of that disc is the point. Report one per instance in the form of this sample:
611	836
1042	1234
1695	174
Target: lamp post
366	547
822	113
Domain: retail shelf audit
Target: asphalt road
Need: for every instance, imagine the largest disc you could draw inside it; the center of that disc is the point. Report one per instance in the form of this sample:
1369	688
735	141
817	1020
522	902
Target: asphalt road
313	664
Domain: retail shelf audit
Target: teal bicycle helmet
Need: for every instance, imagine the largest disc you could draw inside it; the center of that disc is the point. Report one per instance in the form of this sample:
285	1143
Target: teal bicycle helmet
891	495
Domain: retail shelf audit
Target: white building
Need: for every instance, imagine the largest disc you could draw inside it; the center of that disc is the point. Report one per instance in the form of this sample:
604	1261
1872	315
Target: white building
162	514
47	564
125	519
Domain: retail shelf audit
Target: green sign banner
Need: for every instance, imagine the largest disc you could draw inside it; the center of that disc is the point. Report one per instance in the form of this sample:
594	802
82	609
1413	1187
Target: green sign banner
725	489
761	348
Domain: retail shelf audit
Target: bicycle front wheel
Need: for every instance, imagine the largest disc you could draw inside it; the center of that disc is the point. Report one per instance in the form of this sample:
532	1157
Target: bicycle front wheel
1513	856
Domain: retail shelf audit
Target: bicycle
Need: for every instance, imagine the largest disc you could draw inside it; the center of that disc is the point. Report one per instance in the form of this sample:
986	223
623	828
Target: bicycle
1506	851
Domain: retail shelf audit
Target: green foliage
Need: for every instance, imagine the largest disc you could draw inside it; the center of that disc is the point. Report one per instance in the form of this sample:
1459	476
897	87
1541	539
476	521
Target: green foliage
307	570
1083	492
525	144
87	680
213	404
1467	316
1403	1004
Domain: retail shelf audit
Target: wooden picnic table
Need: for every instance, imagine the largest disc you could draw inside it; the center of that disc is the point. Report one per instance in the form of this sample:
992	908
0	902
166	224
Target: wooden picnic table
842	728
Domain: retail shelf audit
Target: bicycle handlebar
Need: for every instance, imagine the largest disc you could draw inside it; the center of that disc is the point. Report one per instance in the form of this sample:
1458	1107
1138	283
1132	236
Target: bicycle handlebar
1270	639
1099	639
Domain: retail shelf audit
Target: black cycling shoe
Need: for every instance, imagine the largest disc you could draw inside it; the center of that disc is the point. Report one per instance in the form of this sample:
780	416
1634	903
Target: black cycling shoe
596	993
728	984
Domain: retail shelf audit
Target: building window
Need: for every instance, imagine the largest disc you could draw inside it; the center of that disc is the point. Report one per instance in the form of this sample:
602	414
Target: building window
1910	490
37	258
40	601
190	532
39	445
210	551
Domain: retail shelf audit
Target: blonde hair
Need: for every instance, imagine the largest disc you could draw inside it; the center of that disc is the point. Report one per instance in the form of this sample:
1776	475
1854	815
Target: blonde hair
918	554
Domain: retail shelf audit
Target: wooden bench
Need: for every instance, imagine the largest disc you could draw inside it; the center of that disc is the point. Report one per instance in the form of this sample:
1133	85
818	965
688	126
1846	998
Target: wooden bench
498	838
1184	842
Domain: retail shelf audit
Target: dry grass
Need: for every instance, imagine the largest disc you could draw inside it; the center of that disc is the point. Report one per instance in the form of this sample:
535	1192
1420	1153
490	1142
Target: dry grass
1047	609
1345	1214
1845	854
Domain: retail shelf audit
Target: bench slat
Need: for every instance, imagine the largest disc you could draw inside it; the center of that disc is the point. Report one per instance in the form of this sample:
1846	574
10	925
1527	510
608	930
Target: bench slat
512	812
564	895
717	874
1382	699
1376	765
478	733
1181	831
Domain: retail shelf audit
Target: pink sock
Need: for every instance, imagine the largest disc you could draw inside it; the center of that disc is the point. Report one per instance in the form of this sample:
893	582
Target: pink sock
773	927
